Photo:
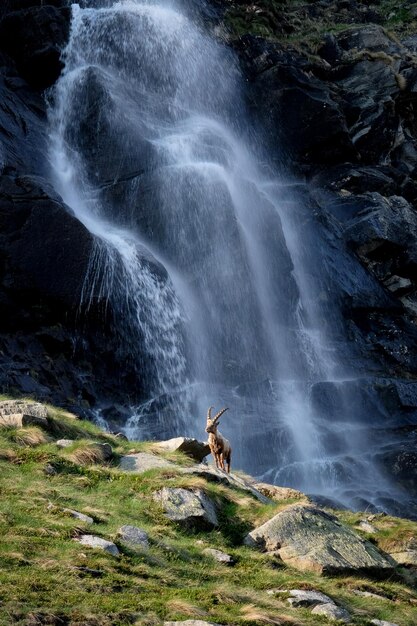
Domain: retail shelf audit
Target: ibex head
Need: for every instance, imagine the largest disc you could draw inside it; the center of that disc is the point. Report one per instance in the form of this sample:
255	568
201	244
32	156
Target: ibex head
212	423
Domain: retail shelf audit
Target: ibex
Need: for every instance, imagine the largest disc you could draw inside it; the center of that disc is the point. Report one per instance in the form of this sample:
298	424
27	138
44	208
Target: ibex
219	446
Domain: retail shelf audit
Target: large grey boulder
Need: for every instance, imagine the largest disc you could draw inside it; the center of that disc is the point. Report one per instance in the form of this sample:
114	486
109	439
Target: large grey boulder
92	541
308	538
133	538
302	598
191	509
332	612
20	413
142	462
197	450
381	622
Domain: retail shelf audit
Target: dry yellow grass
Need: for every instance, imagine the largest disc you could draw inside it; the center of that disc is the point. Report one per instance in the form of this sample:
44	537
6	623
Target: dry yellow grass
186	608
30	436
87	454
252	613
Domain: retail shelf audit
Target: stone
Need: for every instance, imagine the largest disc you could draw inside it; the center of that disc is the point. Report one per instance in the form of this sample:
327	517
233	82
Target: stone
301	598
93	541
197	450
19	413
142	462
133	538
381	622
310	539
219	556
278	493
212	474
367	527
105	449
64	443
79	516
191	509
369	594
405	553
333	613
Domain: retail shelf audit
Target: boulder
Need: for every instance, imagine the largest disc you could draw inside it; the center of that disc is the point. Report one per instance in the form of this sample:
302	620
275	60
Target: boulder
79	516
23	407
20	413
278	493
310	539
142	462
105	449
133	538
191	509
332	612
197	450
302	598
93	541
212	474
381	622
219	556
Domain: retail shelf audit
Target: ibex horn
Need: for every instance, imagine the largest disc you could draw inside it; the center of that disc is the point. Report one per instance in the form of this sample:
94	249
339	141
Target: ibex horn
219	414
209	413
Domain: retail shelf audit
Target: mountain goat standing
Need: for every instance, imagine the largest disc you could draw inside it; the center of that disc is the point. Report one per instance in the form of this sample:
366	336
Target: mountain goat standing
219	446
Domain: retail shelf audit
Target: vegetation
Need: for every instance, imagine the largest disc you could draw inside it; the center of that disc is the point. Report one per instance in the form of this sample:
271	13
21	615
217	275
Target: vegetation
48	578
299	22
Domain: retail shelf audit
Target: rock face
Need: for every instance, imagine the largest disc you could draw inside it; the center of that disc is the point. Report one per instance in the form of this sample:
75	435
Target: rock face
191	509
310	539
197	450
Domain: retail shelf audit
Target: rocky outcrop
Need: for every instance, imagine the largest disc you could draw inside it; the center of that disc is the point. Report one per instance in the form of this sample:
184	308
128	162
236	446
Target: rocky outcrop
20	413
197	450
191	509
310	539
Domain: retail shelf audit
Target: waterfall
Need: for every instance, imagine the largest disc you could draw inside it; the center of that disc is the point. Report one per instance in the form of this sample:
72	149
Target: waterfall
202	250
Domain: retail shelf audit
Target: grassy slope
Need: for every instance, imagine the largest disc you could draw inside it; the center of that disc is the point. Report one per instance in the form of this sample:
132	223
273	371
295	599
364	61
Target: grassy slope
263	18
38	557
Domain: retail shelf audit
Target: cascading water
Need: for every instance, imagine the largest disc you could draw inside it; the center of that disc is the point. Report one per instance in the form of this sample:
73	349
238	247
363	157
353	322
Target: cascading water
204	259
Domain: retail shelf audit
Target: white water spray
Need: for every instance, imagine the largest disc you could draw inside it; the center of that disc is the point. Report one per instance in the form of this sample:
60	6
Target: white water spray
202	257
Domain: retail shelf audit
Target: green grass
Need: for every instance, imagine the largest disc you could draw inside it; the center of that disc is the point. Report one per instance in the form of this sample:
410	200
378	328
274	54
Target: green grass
264	18
40	575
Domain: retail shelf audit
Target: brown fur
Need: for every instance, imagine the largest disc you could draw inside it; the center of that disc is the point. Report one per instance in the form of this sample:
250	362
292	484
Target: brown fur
219	445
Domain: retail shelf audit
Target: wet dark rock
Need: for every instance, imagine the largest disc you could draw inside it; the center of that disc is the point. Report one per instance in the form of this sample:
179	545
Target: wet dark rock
34	38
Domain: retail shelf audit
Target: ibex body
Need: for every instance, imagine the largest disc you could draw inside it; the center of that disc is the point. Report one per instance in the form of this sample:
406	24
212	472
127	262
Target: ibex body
219	446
